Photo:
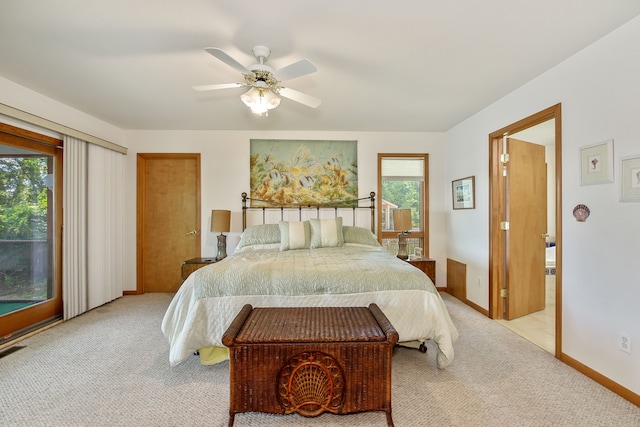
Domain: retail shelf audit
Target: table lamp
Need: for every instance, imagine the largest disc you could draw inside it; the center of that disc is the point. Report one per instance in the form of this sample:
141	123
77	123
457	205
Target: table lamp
221	221
402	223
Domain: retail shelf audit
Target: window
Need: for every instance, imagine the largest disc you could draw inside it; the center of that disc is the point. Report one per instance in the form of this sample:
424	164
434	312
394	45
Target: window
30	226
403	184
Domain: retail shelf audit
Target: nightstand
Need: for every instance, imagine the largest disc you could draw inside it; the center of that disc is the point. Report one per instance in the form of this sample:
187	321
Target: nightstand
191	265
427	265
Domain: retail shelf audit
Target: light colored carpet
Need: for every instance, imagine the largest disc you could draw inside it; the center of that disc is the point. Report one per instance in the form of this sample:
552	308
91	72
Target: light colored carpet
109	367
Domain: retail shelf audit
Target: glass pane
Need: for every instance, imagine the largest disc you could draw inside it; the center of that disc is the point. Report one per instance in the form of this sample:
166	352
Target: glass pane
401	195
26	250
391	245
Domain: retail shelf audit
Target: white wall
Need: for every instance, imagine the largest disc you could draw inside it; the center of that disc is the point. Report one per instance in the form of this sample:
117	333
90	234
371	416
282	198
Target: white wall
600	94
225	175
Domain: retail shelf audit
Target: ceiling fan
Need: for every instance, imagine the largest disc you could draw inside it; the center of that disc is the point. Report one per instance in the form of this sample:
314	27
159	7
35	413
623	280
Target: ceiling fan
264	82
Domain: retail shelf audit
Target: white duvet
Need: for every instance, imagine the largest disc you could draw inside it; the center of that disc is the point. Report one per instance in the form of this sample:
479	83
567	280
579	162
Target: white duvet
353	275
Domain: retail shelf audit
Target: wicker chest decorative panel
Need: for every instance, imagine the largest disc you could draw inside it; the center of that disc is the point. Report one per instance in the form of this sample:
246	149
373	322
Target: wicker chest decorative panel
310	360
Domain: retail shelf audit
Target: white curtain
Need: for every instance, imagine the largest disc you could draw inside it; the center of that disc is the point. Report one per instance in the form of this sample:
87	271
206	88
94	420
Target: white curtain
93	221
104	218
74	231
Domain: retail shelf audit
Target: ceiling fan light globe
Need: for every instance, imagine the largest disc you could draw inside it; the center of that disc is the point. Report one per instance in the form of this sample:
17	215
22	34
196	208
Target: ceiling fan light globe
250	96
260	100
259	110
269	99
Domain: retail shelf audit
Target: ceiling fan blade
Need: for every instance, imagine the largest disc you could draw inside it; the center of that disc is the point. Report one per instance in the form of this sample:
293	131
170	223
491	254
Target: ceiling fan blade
297	69
302	98
222	56
218	86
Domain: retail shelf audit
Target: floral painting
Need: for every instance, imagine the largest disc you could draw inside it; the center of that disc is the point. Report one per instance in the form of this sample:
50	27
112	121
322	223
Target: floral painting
303	172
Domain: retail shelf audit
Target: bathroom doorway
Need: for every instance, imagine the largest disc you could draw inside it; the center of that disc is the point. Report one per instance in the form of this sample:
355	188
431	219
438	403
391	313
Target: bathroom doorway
533	313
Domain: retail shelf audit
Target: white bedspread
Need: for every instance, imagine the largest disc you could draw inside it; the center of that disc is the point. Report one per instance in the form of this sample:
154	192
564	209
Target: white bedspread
210	298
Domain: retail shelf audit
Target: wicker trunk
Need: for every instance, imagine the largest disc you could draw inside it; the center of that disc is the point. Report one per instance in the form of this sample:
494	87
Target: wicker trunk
310	360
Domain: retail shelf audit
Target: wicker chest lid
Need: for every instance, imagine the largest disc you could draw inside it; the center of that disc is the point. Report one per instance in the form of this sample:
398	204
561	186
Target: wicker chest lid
310	324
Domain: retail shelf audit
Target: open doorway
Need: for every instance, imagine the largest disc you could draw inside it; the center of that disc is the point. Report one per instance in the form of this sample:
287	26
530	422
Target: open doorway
527	301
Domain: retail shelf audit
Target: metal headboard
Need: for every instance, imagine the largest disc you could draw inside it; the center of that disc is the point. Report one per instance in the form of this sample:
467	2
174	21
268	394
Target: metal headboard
265	206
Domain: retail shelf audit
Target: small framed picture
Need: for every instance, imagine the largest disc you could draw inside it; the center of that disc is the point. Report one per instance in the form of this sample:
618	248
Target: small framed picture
596	163
464	196
630	181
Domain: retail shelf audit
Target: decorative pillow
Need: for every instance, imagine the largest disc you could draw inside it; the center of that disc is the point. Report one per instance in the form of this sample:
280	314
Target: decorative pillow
326	233
359	236
262	234
294	235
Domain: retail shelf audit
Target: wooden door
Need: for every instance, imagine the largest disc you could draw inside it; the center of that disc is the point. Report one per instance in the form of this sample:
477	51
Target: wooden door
526	206
168	218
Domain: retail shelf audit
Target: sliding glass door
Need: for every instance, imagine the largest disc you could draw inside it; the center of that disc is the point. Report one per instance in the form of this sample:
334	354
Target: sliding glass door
30	225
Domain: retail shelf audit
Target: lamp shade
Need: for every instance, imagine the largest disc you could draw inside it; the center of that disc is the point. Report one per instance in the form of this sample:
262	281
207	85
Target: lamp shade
220	221
402	219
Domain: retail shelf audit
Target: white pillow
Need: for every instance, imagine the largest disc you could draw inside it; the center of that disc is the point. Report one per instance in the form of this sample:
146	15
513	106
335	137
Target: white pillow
294	235
326	233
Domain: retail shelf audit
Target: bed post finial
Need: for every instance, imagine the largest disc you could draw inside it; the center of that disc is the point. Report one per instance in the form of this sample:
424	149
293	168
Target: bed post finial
372	196
244	210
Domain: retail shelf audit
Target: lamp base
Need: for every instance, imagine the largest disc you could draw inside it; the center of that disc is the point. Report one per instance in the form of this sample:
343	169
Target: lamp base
222	247
402	246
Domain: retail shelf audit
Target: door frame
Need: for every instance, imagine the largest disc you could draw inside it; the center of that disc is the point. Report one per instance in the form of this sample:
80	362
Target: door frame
497	252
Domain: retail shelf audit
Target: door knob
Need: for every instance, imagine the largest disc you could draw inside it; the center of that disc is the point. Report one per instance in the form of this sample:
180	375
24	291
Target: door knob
191	232
545	235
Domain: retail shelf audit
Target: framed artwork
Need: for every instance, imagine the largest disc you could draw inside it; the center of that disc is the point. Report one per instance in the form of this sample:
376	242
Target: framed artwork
596	163
630	181
303	172
464	196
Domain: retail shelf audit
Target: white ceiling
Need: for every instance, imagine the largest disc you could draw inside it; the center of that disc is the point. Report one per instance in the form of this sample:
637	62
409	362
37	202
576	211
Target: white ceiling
406	65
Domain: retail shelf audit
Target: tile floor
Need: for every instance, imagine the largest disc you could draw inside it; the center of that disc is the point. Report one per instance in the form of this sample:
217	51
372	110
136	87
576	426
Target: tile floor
538	327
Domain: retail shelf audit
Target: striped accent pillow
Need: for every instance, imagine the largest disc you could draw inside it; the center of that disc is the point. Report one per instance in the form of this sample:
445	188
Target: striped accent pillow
294	235
326	233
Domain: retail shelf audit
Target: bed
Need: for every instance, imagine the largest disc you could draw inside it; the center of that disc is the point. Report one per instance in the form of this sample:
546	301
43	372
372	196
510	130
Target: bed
318	262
